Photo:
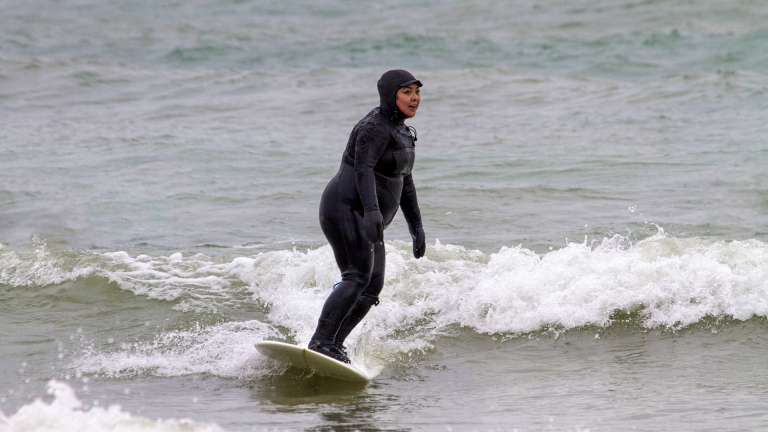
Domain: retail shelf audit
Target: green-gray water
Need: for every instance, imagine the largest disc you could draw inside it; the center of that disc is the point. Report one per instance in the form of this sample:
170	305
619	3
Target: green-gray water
590	173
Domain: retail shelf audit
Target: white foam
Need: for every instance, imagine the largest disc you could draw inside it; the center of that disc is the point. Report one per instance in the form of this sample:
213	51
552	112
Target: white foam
668	282
40	267
66	413
672	282
225	350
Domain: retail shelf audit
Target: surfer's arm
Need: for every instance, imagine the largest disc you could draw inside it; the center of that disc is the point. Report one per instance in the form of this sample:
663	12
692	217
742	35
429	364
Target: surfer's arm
410	206
372	140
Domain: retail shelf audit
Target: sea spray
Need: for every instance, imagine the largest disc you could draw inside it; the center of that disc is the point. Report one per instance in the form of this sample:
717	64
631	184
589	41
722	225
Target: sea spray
224	350
66	413
664	282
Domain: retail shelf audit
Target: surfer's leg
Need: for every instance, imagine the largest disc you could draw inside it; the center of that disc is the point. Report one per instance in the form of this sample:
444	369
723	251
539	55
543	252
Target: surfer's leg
368	298
354	256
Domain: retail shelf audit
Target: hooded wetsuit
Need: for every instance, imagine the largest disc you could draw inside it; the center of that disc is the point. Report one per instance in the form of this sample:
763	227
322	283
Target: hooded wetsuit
374	178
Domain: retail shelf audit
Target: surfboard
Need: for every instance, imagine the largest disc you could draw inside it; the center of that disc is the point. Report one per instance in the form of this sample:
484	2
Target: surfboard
303	358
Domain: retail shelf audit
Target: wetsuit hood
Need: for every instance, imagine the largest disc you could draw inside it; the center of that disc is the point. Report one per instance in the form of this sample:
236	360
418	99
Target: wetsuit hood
388	85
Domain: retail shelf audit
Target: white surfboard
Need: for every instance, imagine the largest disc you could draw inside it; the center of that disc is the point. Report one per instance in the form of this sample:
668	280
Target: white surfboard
303	358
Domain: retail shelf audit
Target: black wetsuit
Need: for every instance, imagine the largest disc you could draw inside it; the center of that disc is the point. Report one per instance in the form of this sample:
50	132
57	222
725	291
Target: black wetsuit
364	195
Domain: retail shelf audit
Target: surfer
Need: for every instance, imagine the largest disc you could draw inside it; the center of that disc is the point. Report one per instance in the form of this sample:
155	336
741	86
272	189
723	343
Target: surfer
360	202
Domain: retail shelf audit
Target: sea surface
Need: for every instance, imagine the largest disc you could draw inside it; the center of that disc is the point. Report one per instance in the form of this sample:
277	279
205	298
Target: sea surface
591	174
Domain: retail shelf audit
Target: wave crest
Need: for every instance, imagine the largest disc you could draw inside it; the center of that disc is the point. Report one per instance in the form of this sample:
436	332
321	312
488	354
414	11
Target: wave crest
660	282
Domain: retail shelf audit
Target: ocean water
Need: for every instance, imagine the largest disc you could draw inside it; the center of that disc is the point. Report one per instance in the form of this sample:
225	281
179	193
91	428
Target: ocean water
591	176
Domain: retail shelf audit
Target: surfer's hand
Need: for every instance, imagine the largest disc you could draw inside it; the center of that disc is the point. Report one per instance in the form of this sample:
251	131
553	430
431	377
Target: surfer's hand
373	225
419	241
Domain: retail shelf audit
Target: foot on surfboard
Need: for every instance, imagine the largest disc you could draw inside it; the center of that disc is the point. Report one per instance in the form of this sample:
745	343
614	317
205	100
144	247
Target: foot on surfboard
340	347
328	349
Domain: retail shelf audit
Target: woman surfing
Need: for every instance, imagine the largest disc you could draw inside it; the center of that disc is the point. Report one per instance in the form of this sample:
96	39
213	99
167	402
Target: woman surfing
360	202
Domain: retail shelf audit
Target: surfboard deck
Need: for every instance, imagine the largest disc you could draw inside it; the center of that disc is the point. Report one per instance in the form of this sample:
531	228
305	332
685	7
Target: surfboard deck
303	358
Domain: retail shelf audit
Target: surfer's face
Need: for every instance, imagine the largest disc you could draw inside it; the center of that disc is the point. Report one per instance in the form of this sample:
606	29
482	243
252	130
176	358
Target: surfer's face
408	99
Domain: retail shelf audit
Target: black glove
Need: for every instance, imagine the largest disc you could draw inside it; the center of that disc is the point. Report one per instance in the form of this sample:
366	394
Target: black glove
419	241
373	225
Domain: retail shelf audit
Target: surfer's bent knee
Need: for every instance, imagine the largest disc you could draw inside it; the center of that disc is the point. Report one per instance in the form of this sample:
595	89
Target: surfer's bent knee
368	300
358	278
